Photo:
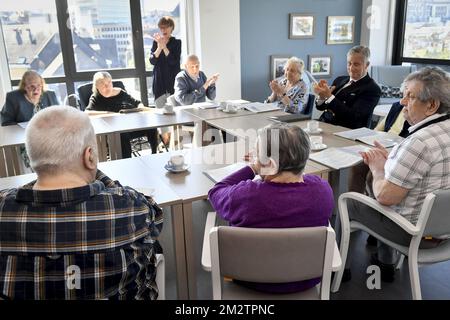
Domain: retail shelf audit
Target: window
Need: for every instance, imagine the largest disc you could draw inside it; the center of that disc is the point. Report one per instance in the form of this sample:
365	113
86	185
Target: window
67	41
425	32
31	36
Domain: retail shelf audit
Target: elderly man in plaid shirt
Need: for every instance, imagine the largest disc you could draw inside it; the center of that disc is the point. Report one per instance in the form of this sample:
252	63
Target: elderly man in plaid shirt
417	166
74	218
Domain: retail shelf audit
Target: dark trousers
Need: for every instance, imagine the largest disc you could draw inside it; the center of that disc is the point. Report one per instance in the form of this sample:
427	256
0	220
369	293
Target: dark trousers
151	134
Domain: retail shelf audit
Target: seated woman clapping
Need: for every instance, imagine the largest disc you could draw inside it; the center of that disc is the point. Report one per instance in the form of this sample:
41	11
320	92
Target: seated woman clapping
290	91
283	198
105	97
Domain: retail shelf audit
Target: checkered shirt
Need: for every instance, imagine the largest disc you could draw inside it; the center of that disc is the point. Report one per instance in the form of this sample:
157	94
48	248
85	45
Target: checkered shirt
421	164
107	232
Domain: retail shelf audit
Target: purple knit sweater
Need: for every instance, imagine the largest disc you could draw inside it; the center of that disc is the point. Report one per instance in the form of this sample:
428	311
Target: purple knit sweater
259	204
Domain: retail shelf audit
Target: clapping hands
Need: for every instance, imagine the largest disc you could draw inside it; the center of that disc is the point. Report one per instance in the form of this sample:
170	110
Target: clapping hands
212	80
322	89
160	40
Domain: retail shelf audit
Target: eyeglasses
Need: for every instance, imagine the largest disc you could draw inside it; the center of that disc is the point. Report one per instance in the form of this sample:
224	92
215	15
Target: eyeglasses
33	87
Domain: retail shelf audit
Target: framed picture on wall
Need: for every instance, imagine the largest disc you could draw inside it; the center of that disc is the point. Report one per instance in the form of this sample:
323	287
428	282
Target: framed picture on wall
301	26
277	63
320	65
340	29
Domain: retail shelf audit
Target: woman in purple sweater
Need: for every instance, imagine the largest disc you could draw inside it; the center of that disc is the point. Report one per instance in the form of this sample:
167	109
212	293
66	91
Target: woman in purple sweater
284	198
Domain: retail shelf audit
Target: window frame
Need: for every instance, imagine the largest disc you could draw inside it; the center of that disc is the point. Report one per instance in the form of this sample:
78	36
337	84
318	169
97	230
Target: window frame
72	75
399	38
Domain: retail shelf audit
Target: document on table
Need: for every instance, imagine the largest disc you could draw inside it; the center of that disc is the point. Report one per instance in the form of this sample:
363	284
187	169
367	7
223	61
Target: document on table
338	158
217	175
206	105
369	137
23	124
261	107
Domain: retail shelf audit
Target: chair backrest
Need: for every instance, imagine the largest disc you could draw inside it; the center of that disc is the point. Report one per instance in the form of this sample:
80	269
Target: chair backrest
310	104
271	255
438	222
391	76
85	92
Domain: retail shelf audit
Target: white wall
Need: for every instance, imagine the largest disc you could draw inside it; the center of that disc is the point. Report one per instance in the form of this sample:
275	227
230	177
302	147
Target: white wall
377	29
5	82
220	50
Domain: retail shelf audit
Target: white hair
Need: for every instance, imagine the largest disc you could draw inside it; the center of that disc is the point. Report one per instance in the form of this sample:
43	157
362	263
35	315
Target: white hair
56	138
98	77
299	64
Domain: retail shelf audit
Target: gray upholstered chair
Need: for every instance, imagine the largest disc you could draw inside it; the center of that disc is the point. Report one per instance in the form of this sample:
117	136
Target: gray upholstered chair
434	221
270	256
390	78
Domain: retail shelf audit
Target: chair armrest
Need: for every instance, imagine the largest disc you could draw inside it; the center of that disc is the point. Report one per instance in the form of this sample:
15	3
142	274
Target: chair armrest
206	252
337	261
384	210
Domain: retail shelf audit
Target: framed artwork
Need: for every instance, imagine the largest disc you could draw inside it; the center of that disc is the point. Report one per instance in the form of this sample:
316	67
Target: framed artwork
277	63
301	26
340	29
320	65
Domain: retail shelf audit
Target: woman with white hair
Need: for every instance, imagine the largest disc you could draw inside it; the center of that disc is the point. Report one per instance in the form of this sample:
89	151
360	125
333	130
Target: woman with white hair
290	91
106	97
284	198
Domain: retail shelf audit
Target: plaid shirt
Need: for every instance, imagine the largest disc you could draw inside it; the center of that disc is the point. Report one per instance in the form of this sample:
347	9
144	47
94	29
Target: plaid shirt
105	232
421	164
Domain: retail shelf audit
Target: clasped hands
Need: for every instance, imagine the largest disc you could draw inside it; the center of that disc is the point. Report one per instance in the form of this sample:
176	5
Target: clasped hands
323	90
276	88
211	81
376	157
160	40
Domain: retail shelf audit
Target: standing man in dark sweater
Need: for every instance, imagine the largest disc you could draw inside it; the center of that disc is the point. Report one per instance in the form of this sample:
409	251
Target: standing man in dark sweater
350	100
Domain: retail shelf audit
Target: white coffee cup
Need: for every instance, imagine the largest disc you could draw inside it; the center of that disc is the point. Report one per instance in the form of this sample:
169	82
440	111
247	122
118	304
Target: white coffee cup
313	126
176	161
230	108
168	108
316	141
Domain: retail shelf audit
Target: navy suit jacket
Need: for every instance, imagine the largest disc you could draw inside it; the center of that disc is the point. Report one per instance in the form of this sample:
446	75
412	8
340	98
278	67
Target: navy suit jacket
353	106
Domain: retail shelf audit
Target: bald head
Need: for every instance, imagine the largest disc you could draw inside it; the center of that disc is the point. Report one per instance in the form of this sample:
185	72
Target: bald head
56	139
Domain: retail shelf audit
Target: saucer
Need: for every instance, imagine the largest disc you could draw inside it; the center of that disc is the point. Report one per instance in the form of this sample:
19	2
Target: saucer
319	147
319	130
172	169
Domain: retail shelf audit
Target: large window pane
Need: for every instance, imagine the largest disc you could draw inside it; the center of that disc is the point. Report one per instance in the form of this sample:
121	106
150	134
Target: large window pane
30	29
151	12
427	29
102	35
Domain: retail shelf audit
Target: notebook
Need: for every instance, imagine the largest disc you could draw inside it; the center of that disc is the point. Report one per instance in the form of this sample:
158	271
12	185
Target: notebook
258	107
369	136
338	158
291	117
217	175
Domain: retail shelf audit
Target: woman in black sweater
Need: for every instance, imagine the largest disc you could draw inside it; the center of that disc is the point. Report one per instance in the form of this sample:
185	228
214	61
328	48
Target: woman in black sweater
105	97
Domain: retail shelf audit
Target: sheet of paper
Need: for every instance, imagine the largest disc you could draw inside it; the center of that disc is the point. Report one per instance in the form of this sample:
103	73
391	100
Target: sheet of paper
338	158
217	175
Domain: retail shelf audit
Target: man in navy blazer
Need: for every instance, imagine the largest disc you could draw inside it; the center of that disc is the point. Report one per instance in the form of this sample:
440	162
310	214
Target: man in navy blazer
350	100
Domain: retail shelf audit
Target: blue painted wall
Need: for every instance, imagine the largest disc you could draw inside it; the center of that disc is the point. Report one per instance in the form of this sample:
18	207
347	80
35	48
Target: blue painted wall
265	32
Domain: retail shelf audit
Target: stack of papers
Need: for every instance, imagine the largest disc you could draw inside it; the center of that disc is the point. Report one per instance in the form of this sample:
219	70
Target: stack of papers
206	105
338	158
260	107
369	137
217	175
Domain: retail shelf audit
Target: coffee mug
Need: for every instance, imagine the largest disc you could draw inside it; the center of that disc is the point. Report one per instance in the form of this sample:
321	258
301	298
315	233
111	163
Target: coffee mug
168	108
230	108
313	126
176	161
316	141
